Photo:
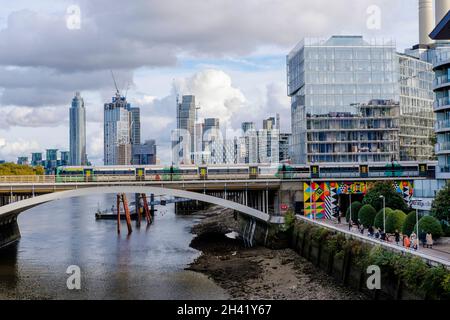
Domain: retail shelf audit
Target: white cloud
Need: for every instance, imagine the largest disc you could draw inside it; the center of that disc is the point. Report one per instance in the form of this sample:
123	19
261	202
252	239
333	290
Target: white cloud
10	150
214	94
32	117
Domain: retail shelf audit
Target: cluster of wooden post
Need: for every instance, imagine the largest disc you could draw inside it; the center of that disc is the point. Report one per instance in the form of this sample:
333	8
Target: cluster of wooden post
122	198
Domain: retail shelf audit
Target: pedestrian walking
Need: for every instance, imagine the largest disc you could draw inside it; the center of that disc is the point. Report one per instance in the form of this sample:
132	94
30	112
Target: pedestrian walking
377	234
382	235
423	238
429	240
370	231
350	225
413	241
397	237
406	242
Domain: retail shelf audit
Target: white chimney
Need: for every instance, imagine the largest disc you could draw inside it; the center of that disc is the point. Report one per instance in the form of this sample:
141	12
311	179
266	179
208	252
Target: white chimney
426	21
441	7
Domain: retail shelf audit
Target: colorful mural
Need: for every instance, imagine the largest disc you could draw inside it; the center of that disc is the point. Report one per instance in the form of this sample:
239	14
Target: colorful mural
321	199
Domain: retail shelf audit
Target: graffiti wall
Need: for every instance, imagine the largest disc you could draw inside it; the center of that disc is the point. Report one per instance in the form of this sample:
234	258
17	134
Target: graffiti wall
321	198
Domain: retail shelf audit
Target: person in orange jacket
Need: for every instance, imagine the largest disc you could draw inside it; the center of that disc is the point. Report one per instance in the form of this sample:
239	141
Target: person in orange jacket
406	242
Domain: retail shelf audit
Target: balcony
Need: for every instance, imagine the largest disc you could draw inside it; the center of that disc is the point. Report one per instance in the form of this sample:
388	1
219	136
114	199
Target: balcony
442	148
442	125
441	81
443	172
441	104
441	58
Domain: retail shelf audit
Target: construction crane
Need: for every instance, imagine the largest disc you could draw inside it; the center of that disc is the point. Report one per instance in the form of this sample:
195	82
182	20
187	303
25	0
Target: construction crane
115	83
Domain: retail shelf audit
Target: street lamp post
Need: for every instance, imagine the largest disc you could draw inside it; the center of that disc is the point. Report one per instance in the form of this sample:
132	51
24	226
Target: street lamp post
417	228
384	213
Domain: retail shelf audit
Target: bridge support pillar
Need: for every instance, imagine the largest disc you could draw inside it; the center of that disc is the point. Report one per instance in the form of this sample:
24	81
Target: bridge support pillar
9	231
257	232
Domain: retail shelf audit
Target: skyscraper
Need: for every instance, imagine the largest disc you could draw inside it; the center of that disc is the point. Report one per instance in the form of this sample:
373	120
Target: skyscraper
117	132
183	144
135	115
77	120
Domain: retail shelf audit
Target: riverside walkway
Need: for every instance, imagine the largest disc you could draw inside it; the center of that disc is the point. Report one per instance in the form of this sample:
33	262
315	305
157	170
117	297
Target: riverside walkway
440	254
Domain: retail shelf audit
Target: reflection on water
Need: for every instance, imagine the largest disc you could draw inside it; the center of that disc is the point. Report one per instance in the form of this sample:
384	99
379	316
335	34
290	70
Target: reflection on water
149	264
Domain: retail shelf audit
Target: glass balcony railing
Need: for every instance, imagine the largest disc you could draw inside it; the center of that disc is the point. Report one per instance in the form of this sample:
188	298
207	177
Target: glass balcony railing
440	80
441	102
441	57
442	124
442	147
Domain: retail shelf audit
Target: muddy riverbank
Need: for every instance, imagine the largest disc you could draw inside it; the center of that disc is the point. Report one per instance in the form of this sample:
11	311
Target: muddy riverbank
258	272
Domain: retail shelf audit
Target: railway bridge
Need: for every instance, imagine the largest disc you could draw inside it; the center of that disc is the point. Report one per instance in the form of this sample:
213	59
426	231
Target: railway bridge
261	201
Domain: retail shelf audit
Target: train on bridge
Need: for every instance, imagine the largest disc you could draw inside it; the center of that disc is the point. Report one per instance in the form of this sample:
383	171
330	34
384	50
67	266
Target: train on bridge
244	172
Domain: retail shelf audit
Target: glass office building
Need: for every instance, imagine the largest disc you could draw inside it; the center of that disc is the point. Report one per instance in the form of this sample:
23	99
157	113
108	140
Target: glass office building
77	119
346	100
416	109
117	123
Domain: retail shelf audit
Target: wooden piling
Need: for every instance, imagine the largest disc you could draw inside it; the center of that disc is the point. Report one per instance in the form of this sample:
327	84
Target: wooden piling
118	213
127	212
146	208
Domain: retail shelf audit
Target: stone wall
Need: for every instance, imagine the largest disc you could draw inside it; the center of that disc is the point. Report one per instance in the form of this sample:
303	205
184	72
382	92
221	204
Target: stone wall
346	269
9	231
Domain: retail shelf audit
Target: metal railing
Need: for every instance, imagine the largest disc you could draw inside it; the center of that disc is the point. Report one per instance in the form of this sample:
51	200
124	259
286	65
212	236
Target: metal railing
442	124
288	175
28	179
442	102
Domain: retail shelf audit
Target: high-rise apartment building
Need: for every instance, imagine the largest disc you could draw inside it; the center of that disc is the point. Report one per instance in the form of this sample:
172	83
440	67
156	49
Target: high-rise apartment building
144	154
65	158
117	131
135	126
77	119
36	159
442	110
416	109
23	161
284	143
358	101
183	142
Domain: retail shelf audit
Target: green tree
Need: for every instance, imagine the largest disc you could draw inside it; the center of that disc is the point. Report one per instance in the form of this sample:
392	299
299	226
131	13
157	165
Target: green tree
354	209
378	221
440	208
392	198
366	215
12	169
430	224
410	222
394	221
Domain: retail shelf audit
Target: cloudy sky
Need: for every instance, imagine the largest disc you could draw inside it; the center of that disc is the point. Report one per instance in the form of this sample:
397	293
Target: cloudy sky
230	54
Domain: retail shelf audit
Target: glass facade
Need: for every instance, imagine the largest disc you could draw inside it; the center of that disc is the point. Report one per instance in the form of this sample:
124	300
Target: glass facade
77	118
416	109
117	133
441	65
183	151
355	100
345	100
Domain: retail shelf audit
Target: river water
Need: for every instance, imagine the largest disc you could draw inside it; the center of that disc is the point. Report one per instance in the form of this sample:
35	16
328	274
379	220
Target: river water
148	264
